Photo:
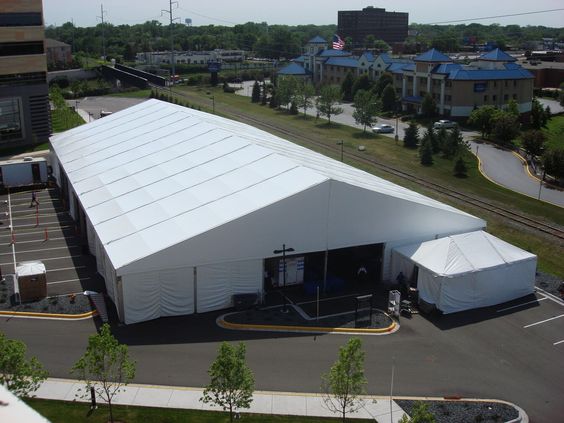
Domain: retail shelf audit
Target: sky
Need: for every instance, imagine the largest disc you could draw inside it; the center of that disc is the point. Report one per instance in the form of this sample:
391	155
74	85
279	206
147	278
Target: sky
296	12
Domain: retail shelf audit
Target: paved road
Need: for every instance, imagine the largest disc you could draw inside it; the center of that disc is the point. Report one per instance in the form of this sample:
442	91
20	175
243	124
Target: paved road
94	105
486	354
554	105
508	170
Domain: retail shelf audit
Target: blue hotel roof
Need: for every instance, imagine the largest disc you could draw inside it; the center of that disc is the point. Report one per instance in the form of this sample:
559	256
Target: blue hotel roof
293	69
485	74
498	55
348	62
432	55
300	59
317	40
334	53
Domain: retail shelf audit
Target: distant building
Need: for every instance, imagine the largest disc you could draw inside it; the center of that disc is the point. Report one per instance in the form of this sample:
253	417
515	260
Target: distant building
190	57
359	24
24	94
493	78
59	54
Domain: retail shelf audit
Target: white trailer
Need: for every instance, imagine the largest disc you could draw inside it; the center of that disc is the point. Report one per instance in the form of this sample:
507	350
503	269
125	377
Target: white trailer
23	172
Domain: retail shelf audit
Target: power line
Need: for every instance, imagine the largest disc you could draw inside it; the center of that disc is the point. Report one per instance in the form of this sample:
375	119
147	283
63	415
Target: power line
172	19
209	17
103	37
495	17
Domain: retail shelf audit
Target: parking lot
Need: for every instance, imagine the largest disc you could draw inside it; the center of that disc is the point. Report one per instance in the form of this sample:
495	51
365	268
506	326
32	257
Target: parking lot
47	233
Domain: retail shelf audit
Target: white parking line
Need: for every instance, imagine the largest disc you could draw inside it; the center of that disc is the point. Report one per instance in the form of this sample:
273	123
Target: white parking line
36	240
66	268
67	281
543	321
521	305
51	228
49	259
559	342
43	249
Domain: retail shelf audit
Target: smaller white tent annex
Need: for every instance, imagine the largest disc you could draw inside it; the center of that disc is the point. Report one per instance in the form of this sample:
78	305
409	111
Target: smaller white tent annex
471	270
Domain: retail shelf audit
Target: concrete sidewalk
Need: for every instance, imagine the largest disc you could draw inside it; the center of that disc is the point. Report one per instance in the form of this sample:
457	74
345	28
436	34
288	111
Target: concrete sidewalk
282	403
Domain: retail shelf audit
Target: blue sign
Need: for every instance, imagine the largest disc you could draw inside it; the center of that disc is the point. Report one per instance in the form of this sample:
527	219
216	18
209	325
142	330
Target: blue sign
480	87
214	67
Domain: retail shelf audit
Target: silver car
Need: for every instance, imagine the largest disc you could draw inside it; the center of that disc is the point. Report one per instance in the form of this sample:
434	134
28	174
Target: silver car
447	124
383	129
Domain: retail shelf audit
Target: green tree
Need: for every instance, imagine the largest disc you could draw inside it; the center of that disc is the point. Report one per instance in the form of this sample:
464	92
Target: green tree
382	46
483	119
384	80
18	375
561	95
369	41
428	106
273	99
347	86
460	169
105	366
329	97
506	128
433	139
304	96
538	115
231	381
363	82
513	108
389	99
442	138
533	142
455	144
255	96
426	152
365	108
411	136
287	88
345	381
553	163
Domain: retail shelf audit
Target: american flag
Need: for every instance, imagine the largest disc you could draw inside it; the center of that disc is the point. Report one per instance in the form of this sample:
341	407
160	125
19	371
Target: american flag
338	43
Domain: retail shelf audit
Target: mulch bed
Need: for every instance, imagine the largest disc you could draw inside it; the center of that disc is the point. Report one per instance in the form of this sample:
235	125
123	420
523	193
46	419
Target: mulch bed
464	411
63	304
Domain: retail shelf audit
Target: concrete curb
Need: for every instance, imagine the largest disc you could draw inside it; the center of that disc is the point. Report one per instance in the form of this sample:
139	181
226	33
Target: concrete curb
522	418
306	329
37	315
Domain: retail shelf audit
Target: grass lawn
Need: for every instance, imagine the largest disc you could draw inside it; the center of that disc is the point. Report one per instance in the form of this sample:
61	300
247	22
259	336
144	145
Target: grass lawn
64	119
384	149
555	132
72	412
133	94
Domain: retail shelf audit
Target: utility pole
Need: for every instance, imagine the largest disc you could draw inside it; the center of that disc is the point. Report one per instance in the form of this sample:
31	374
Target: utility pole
172	19
101	17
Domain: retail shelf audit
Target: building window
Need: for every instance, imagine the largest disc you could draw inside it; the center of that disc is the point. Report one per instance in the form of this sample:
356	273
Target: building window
514	96
21	19
20	49
515	83
505	83
495	84
338	79
494	97
485	99
448	97
10	119
505	97
449	83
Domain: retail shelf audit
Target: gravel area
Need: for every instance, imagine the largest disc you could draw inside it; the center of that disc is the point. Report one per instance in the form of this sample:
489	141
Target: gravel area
550	283
62	304
275	316
465	411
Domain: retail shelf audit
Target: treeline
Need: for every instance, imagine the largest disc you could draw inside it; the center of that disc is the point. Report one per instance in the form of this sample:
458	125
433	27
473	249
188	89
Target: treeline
277	41
124	41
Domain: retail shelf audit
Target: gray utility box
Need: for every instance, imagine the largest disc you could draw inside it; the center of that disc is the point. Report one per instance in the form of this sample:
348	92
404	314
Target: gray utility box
23	172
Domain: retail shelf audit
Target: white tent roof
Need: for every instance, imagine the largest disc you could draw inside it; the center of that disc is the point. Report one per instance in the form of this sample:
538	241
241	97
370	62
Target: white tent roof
159	171
469	252
30	268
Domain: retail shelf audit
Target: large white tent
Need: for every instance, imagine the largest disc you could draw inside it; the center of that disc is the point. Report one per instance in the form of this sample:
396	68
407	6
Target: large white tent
467	271
182	207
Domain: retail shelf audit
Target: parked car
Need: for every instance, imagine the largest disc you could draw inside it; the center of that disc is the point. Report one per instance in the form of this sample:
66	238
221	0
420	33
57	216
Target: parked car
447	124
383	129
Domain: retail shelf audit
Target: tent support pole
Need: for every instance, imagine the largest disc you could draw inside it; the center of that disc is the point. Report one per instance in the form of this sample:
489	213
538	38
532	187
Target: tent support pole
195	290
325	271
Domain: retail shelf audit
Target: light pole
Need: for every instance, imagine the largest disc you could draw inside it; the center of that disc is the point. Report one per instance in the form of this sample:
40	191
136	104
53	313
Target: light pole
397	124
342	144
213	103
283	251
541	181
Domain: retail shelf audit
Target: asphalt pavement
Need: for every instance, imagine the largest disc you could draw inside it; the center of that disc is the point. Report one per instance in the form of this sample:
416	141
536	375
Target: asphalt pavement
511	352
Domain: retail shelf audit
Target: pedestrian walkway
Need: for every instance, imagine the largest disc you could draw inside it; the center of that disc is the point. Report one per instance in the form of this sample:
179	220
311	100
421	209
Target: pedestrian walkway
281	403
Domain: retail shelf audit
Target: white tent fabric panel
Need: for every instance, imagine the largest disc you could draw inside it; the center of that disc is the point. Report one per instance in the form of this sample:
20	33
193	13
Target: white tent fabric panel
217	283
141	299
91	236
150	295
177	291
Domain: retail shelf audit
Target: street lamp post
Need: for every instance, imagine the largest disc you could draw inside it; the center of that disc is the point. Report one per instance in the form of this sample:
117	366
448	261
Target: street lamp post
342	144
283	251
397	125
540	183
213	103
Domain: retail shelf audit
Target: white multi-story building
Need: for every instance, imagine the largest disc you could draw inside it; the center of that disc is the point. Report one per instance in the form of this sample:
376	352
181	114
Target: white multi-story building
190	57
